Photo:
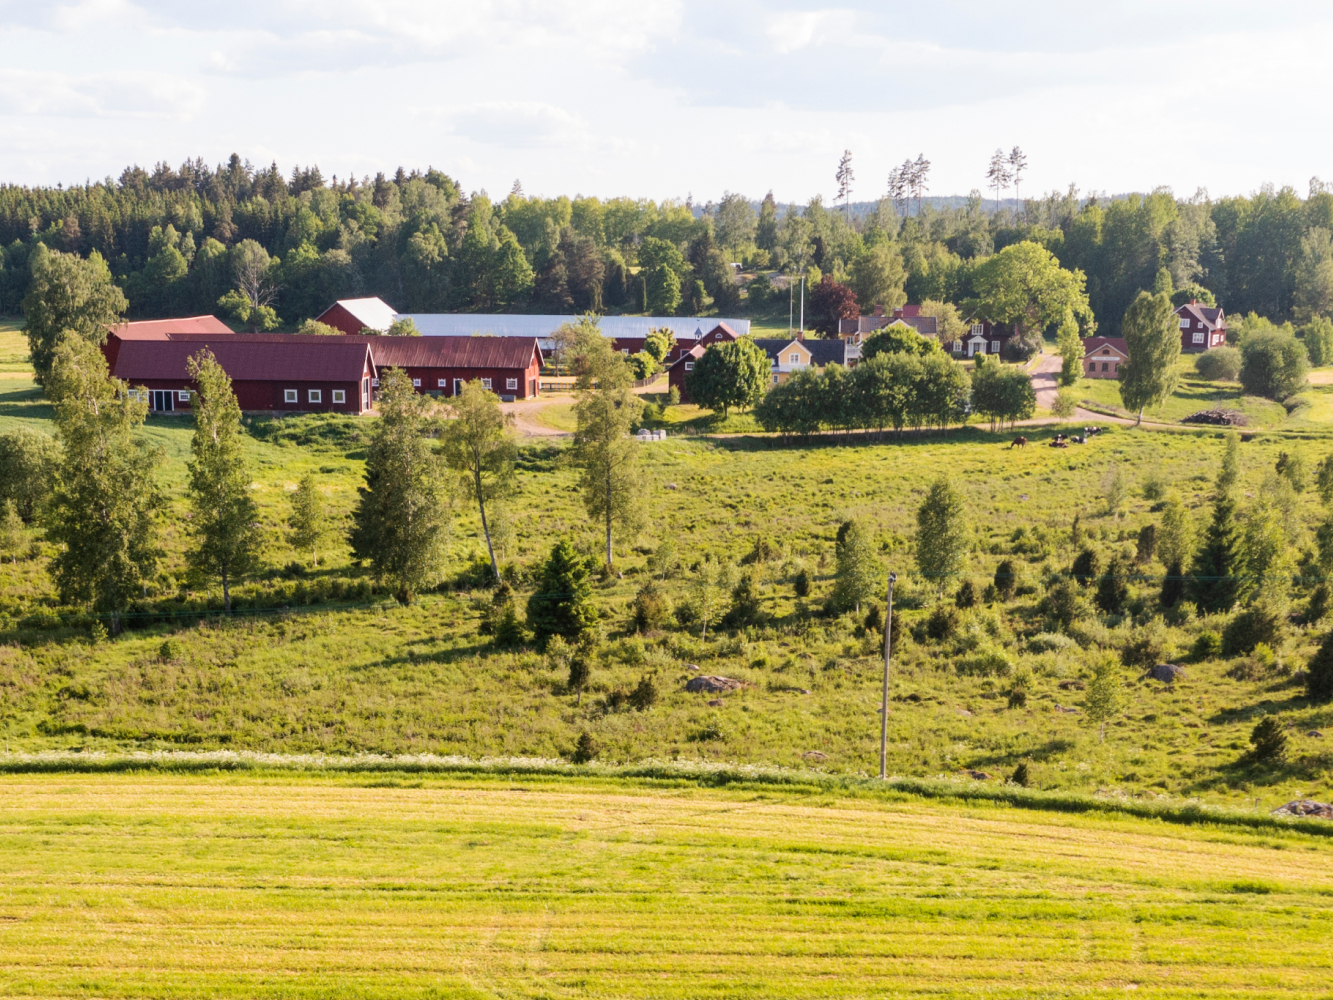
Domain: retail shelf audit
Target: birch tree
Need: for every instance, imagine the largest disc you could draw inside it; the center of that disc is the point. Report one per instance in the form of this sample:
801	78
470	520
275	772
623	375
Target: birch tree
479	445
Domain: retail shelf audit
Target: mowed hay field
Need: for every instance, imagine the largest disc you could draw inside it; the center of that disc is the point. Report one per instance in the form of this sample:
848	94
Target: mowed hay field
245	886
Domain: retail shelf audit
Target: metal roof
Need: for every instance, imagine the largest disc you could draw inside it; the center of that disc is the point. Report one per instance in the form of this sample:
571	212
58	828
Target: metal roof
244	360
372	313
408	352
512	325
158	328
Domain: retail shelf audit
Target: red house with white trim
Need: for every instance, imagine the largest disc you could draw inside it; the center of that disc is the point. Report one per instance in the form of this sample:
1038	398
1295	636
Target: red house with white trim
1201	327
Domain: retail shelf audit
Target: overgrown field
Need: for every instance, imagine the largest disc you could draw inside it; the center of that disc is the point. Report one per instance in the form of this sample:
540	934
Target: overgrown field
318	661
417	886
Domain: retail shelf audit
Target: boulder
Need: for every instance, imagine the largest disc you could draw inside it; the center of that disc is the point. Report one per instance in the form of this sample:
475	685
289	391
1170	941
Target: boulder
814	755
1167	673
1316	734
1065	709
1306	808
713	685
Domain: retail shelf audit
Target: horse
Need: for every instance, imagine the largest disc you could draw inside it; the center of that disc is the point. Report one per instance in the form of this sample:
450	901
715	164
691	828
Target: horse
1018	442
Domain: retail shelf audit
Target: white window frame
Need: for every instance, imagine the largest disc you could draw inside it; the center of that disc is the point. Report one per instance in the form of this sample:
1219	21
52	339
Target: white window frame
957	346
995	347
794	358
416	383
375	383
1185	324
1198	337
182	395
314	395
511	383
689	366
978	329
291	395
340	395
625	351
775	378
486	383
443	383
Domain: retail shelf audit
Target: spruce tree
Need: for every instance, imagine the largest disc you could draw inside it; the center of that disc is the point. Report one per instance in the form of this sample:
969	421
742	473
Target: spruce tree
562	604
224	517
1214	585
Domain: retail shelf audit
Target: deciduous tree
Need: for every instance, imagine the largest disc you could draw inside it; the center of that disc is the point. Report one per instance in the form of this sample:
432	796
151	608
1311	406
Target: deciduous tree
224	518
67	295
1025	285
941	533
735	373
1152	337
308	521
479	445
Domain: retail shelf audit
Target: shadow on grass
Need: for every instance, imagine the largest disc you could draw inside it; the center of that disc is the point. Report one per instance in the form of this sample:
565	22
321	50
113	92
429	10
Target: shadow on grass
1040	755
27	403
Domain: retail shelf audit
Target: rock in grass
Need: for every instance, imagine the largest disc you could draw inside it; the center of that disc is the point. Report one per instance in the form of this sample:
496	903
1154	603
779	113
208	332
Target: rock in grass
713	685
1167	673
1306	808
814	755
1316	734
978	775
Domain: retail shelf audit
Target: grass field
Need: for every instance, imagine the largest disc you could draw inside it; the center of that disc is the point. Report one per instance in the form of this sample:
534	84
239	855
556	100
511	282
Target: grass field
418	886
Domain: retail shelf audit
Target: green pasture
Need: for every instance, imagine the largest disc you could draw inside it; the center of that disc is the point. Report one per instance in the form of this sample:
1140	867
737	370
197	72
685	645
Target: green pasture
408	885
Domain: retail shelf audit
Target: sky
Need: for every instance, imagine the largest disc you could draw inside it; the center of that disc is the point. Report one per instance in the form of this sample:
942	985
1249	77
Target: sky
669	98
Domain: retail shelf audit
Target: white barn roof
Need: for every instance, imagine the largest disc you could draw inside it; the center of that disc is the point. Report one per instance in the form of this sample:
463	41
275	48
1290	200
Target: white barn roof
373	313
506	325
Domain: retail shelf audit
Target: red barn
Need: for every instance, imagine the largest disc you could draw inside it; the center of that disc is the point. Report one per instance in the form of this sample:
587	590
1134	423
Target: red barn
508	366
265	374
351	316
160	329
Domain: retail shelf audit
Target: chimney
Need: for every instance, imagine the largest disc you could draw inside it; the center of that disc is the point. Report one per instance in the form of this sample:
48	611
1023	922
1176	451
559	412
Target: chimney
1194	302
897	312
800	334
879	310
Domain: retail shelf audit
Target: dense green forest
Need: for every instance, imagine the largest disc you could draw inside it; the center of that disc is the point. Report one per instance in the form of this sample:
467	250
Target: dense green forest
175	240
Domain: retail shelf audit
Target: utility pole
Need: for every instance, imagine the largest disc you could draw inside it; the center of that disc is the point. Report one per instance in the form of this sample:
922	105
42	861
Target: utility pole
802	306
884	701
791	307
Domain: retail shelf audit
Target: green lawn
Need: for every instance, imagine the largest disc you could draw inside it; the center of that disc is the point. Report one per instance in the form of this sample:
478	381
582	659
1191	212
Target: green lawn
409	885
1192	395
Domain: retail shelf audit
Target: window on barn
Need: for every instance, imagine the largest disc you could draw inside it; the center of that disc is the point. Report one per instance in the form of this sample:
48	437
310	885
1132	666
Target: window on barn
290	396
485	383
416	383
183	395
441	382
625	351
375	382
315	395
511	383
340	395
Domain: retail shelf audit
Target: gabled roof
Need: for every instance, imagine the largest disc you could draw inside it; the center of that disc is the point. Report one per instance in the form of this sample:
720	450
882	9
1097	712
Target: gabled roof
157	329
372	313
822	352
1210	316
686	328
693	354
1095	345
411	352
245	360
927	326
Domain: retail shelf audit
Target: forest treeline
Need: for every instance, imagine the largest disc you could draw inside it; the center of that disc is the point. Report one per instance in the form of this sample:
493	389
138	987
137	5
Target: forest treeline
174	239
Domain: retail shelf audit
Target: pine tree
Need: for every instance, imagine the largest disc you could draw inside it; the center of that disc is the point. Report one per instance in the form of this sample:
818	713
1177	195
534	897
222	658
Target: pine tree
224	517
562	604
1319	672
1214	585
107	533
402	519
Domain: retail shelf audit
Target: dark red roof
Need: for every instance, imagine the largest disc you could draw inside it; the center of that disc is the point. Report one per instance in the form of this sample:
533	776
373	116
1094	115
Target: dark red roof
1210	316
411	352
157	329
245	360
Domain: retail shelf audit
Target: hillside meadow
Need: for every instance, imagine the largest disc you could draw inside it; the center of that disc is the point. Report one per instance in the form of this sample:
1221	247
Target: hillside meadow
419	885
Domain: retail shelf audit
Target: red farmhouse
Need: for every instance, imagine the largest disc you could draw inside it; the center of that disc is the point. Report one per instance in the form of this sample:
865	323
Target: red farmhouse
351	316
265	374
1201	327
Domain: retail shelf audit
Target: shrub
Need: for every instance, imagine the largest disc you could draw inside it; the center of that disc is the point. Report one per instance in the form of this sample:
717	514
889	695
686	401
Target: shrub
644	695
1065	404
989	660
942	623
1146	544
745	602
1006	580
966	596
1154	487
1319	672
1148	647
1258	623
1113	588
580	672
801	585
1273	363
1173	586
1086	567
874	620
509	630
1317	606
673	396
1049	642
1206	646
1268	743
585	749
1221	364
170	651
651	608
761	551
1021	776
1063	605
